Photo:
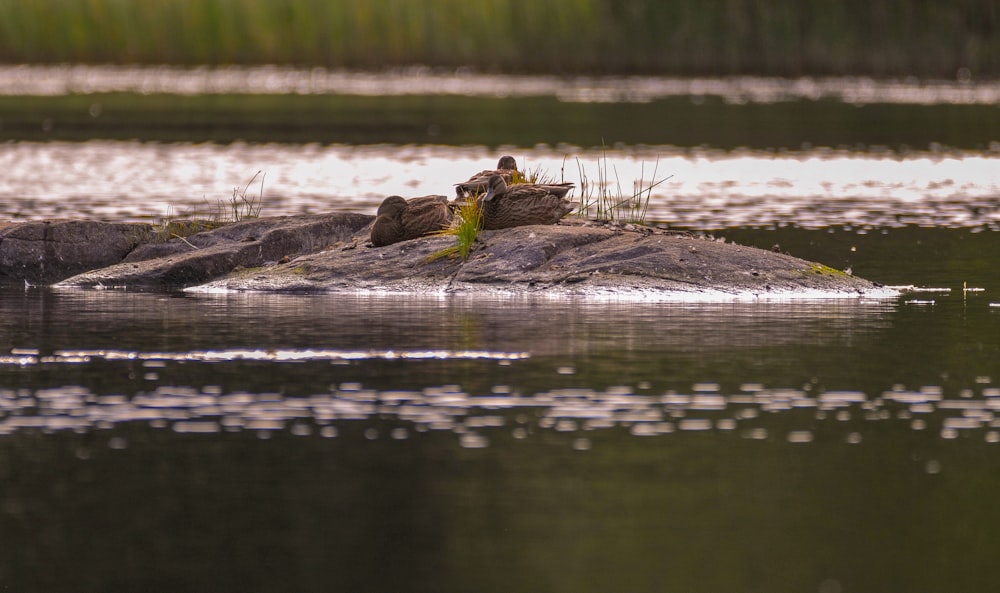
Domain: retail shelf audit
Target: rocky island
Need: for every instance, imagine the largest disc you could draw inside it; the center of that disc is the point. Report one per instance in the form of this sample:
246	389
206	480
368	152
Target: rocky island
332	253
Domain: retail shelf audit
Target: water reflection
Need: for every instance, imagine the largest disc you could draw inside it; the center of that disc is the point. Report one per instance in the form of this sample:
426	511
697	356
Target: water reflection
220	430
706	190
26	80
475	419
466	365
58	324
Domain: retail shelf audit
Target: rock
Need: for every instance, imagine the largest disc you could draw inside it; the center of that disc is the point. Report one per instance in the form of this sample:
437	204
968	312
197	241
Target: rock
331	252
569	258
49	251
208	255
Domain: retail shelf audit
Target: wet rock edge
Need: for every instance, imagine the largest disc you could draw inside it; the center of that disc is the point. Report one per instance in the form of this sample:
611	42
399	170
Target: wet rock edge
330	253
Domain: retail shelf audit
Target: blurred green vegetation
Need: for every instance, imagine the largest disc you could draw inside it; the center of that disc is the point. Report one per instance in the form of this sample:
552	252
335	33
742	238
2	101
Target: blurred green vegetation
930	38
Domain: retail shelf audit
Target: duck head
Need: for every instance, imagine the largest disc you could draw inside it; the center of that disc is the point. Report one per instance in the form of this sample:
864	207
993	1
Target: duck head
495	187
392	207
507	163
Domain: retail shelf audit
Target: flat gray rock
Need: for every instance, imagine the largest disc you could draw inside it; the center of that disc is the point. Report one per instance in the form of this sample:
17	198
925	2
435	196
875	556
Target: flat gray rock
331	253
205	256
572	258
48	251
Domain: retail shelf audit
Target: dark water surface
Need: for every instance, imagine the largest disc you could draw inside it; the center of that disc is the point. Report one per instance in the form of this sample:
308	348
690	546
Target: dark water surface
497	121
377	442
193	442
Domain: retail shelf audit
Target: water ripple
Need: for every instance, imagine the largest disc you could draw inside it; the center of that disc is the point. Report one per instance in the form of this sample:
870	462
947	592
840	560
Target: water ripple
792	415
230	355
32	80
707	189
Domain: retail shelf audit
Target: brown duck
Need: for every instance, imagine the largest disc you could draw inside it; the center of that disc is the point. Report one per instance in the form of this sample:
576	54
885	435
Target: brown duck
401	220
476	185
520	204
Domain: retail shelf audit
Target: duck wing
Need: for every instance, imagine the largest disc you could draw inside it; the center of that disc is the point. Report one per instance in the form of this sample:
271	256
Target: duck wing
478	182
519	190
559	189
528	205
425	215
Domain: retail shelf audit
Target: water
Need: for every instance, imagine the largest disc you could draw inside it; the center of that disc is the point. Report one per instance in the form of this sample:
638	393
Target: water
704	189
147	144
337	436
172	441
23	80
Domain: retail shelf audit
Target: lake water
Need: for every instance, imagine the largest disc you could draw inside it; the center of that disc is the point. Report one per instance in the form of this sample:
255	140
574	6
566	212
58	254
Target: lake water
175	441
703	189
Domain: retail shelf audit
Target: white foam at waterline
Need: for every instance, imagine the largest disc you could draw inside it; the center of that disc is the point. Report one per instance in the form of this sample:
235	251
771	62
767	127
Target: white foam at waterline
911	288
604	294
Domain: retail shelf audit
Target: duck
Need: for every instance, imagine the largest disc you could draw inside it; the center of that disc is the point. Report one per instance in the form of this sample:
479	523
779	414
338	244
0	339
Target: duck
520	204
476	185
398	219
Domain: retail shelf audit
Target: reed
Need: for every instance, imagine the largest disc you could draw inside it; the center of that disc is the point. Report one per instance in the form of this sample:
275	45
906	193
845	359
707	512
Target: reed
681	37
604	199
172	226
242	205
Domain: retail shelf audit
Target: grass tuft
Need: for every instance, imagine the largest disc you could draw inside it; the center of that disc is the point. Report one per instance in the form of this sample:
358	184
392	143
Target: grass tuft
468	222
242	206
598	199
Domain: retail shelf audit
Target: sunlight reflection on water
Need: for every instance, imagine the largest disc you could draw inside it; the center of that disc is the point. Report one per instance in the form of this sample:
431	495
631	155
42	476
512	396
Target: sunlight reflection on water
753	415
706	189
20	357
29	80
530	379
